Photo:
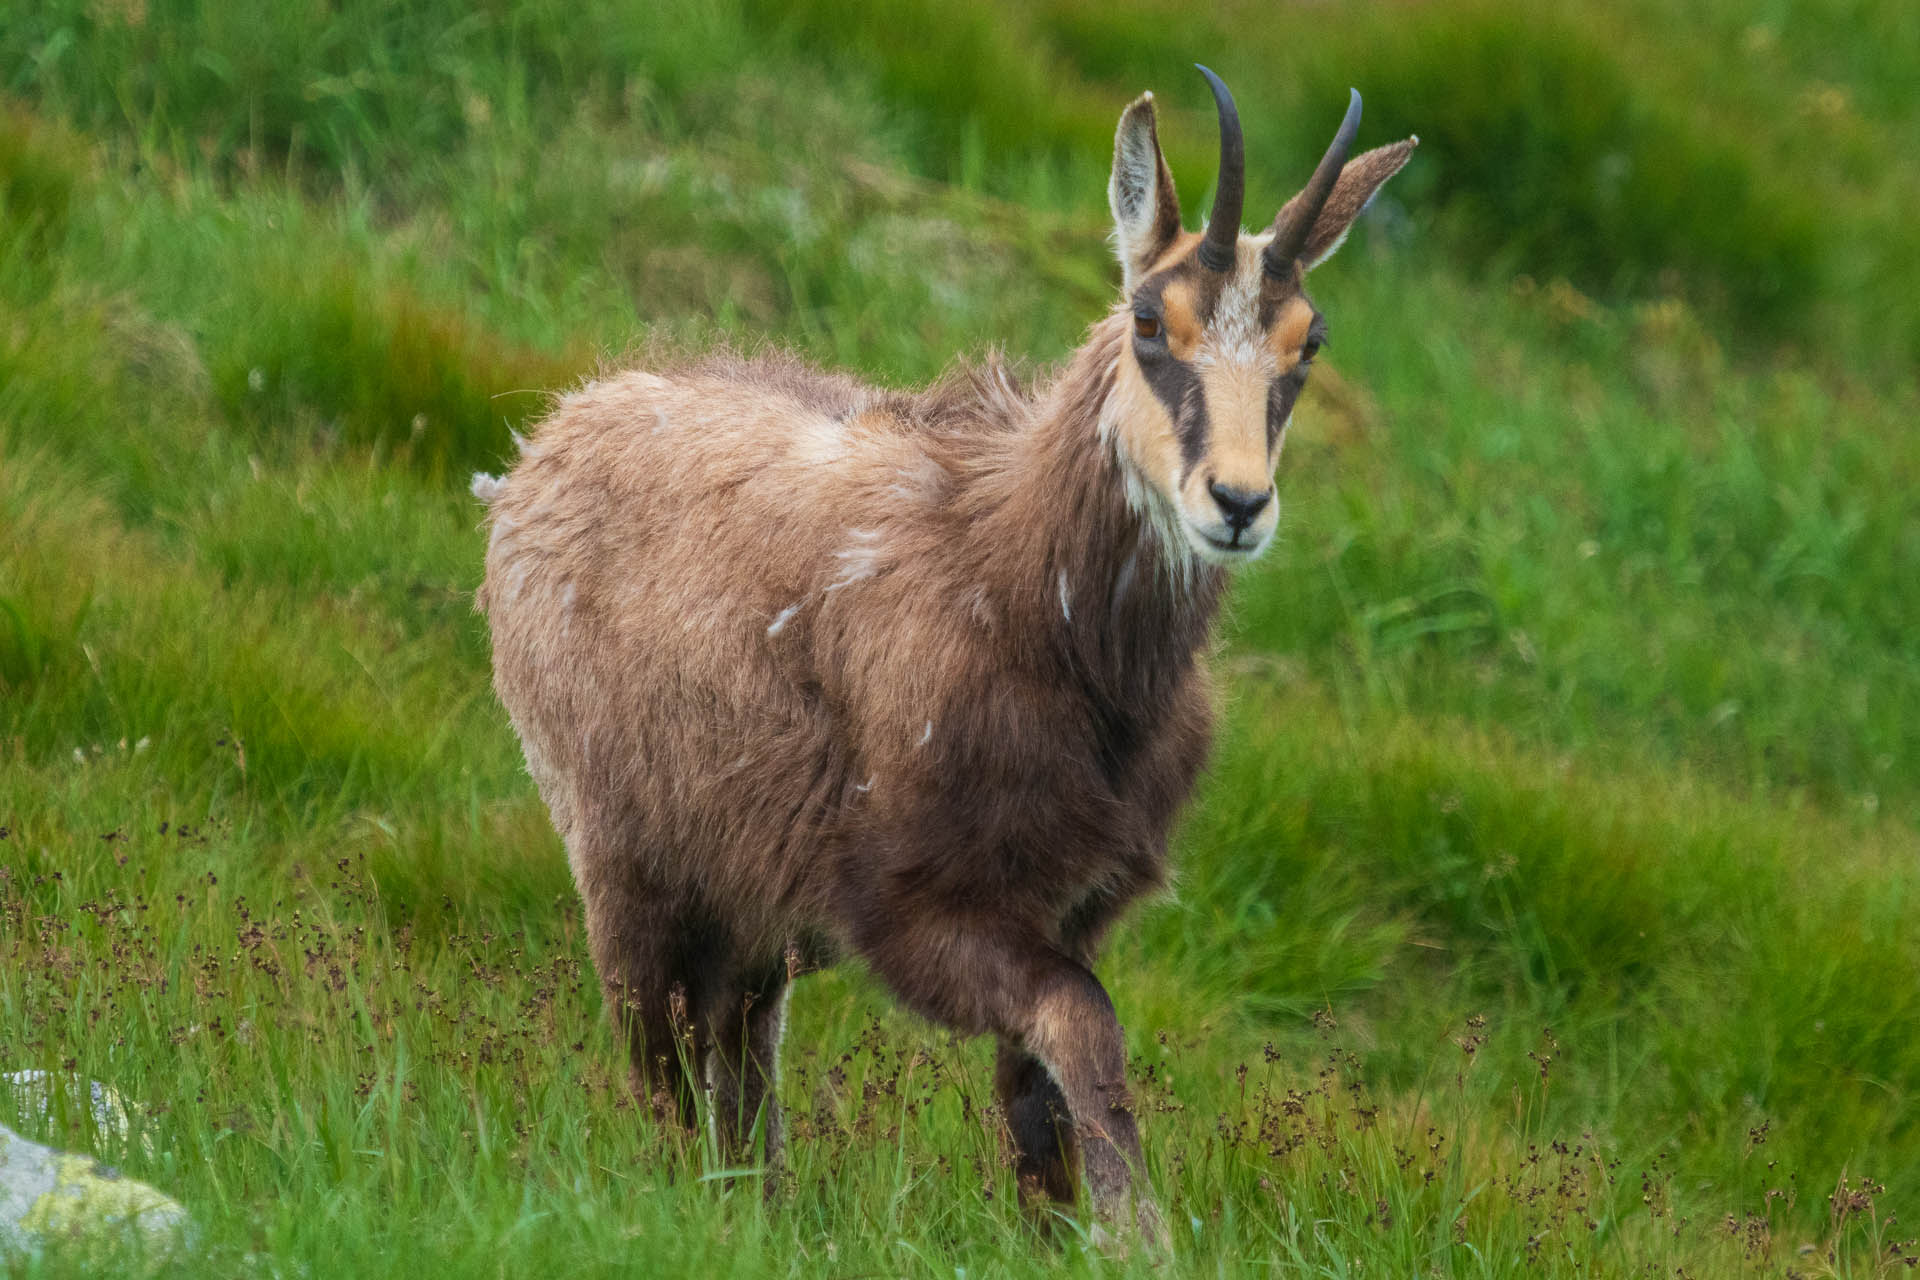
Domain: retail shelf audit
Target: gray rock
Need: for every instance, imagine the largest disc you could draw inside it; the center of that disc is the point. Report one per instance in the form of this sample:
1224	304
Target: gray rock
50	1197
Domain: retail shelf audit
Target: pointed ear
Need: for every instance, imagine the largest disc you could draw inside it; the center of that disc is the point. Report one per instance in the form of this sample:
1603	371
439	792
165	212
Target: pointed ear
1362	177
1146	213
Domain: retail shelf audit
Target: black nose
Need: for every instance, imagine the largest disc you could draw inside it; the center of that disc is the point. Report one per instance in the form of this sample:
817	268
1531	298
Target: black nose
1239	506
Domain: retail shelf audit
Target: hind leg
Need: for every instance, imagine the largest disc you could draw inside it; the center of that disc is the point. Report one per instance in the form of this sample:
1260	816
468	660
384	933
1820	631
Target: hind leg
744	1020
646	958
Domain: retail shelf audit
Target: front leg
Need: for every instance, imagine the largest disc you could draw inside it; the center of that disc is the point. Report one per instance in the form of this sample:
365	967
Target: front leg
1038	1121
1040	1125
987	974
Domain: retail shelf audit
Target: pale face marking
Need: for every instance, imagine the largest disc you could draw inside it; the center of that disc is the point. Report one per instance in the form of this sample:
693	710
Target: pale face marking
1219	431
1125	406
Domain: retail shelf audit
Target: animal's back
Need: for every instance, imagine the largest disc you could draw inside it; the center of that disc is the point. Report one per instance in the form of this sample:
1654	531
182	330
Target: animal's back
659	559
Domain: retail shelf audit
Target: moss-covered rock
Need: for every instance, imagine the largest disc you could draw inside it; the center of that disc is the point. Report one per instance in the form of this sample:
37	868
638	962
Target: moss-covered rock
56	1198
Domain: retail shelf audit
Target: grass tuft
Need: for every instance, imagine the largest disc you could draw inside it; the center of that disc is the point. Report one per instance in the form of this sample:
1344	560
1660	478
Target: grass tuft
381	368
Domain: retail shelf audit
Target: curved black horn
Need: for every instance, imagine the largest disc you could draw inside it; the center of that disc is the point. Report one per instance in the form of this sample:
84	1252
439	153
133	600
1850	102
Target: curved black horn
1290	229
1223	228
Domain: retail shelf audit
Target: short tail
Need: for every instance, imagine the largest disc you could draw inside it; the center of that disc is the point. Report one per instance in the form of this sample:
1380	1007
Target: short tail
486	487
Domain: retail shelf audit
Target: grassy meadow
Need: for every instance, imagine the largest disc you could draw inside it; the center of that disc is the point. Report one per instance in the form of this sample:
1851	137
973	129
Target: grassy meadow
1551	904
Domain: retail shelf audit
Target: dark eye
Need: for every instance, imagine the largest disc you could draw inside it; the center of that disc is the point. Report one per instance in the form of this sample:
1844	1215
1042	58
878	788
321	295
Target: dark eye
1146	326
1308	350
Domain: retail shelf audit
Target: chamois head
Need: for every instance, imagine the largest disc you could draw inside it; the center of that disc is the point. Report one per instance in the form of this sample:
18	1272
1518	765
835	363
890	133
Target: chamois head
1222	330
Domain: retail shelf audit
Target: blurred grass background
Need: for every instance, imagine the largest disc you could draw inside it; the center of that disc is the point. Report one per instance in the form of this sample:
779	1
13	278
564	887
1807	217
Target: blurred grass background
1581	692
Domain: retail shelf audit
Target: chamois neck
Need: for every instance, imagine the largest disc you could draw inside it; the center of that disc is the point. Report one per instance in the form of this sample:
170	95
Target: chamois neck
1082	566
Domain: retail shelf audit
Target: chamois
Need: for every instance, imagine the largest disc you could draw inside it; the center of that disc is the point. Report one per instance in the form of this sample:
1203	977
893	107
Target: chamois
804	667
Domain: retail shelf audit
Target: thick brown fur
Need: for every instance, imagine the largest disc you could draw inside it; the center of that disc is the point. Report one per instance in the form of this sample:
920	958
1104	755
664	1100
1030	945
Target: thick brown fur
804	667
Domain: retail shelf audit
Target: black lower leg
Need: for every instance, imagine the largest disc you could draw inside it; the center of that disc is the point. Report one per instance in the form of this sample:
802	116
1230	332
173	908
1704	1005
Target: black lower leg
639	949
745	1024
1040	1125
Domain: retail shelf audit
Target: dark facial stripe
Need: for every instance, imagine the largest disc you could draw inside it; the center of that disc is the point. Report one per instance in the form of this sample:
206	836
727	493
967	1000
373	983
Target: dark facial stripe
1281	394
1177	386
1174	382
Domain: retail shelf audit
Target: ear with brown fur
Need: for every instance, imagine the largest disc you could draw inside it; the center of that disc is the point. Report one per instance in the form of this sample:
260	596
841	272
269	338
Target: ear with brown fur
1362	177
1146	213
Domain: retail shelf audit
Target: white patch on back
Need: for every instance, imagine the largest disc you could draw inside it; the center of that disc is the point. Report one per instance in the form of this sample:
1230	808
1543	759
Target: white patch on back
819	442
859	559
922	481
982	609
781	619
